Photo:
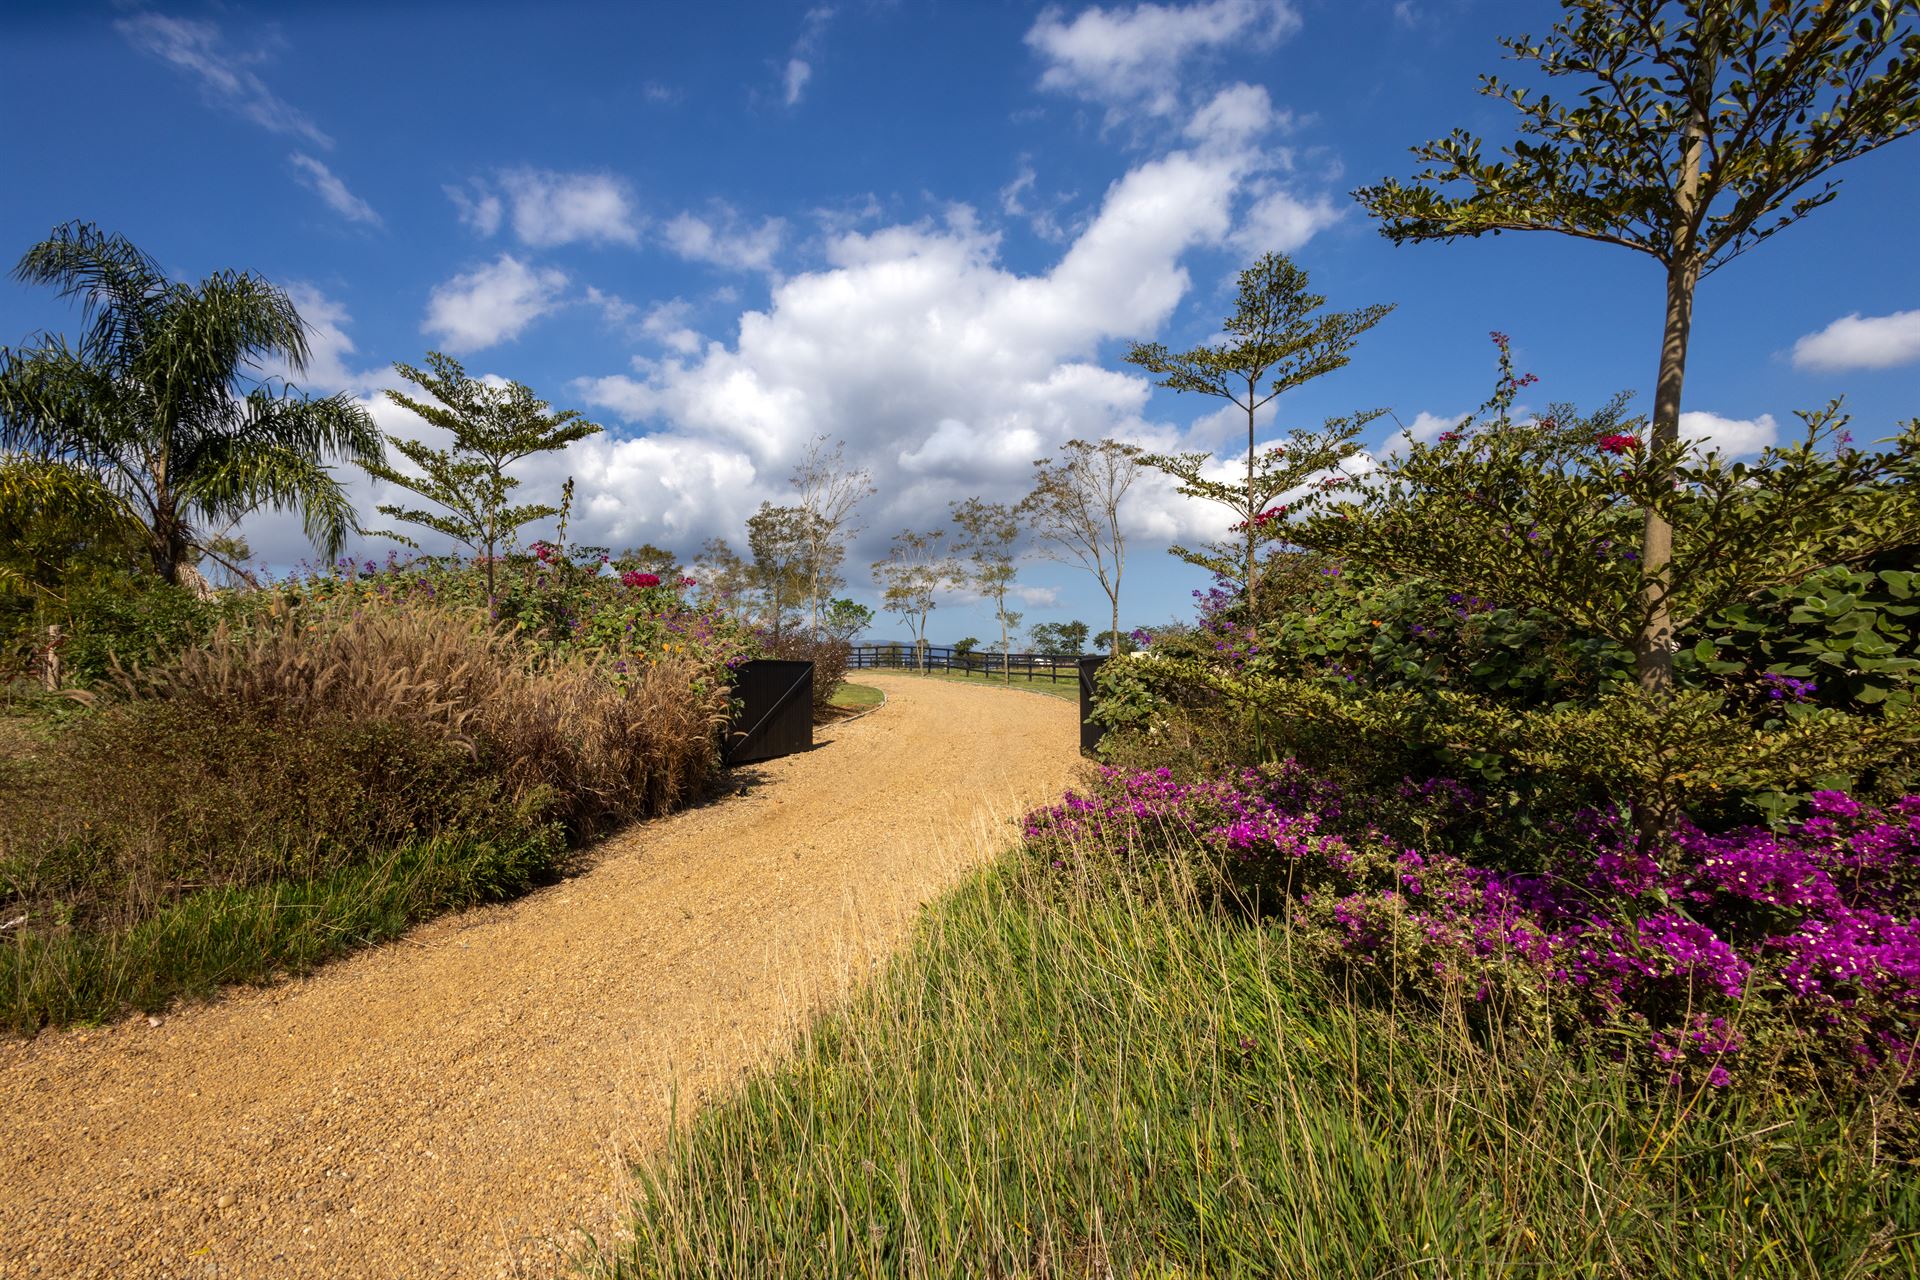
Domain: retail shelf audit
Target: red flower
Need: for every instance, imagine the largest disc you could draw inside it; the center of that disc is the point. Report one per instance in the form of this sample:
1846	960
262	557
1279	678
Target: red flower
1617	444
635	578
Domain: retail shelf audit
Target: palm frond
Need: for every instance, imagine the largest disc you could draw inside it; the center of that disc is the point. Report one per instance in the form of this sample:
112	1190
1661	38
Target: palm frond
121	288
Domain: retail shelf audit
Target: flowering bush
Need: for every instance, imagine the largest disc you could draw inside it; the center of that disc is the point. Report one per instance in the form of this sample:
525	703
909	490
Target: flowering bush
1745	952
555	604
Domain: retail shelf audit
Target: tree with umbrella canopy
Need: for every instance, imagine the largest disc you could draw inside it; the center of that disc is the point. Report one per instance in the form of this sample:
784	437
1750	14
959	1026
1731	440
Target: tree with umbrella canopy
166	408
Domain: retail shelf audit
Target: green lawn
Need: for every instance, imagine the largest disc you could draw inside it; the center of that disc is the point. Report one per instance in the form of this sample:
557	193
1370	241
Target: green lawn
856	697
1067	689
1063	1078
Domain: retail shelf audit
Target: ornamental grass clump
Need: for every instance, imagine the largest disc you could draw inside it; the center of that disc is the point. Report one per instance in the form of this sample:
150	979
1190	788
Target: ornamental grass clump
313	781
1781	958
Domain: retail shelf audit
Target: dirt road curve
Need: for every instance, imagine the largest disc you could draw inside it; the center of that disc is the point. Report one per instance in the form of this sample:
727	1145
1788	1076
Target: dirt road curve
458	1103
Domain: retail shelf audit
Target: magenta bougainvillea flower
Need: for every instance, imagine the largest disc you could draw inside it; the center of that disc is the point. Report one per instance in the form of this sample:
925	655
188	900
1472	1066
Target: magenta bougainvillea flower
1810	934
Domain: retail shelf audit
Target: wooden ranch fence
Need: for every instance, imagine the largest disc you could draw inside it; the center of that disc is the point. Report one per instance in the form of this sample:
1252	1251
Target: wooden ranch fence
1062	667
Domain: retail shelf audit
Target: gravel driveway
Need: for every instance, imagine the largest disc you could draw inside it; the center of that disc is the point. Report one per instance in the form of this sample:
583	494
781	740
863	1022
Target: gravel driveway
461	1102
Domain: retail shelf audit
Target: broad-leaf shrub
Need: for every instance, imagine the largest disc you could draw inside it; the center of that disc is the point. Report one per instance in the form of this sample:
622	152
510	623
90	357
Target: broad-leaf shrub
1784	957
1478	600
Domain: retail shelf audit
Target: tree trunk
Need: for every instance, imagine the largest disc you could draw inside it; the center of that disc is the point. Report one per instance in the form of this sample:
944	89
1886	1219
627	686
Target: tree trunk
1653	647
167	541
1252	531
1113	636
1006	650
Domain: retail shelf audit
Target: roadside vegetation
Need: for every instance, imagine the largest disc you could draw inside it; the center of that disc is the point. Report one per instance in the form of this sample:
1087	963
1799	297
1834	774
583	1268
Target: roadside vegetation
1087	1073
1515	864
209	774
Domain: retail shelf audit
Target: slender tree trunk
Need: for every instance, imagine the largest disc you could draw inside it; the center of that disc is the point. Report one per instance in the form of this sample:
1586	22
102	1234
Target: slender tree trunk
813	594
1653	814
1653	647
165	534
1006	650
1113	636
1252	567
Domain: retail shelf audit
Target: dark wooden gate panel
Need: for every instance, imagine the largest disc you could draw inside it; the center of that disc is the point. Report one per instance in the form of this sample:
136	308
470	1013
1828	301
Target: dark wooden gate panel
773	710
1090	731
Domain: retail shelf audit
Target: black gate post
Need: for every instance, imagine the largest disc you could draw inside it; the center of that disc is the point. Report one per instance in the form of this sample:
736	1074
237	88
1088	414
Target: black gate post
773	710
1090	732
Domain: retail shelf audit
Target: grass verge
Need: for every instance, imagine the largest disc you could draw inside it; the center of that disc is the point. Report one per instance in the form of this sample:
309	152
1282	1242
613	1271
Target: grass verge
247	934
1067	689
856	697
1070	1080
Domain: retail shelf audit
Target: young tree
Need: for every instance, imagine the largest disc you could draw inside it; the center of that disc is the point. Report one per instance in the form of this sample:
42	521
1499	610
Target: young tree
159	407
1059	637
829	491
647	558
1074	510
1696	130
492	428
1542	513
1276	332
780	540
1010	620
916	567
989	534
724	579
844	619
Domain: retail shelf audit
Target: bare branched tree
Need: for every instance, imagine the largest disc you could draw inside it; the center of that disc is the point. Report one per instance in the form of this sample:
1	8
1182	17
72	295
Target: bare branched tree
1074	510
989	536
916	567
830	489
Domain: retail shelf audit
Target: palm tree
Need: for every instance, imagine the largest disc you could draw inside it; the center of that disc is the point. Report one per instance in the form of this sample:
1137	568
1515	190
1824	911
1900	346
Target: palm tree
165	401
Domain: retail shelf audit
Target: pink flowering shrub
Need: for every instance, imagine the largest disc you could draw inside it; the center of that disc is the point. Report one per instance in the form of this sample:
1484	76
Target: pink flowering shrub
1750	951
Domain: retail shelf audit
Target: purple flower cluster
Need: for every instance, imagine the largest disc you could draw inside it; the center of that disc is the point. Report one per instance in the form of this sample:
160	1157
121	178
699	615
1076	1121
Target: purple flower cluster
1811	934
1785	688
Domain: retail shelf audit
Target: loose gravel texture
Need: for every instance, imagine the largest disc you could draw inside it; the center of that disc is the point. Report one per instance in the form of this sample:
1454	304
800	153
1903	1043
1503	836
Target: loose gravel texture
465	1101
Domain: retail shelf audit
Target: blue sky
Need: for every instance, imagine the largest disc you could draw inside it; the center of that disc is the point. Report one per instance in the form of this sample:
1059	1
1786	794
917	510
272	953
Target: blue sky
930	229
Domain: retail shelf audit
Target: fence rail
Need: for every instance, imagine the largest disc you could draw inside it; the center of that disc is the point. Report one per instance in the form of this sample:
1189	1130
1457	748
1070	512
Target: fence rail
934	657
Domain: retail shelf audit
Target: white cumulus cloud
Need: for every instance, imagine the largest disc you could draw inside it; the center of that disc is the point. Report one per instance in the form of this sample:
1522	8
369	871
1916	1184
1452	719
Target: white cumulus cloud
1134	56
562	208
724	239
1233	117
479	209
1862	342
491	304
946	372
1729	435
1280	222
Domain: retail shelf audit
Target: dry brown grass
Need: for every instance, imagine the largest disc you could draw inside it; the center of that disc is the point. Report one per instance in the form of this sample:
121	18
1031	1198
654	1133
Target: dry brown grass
563	737
314	753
